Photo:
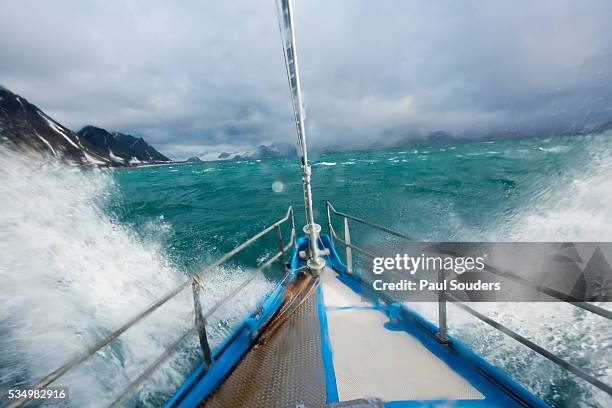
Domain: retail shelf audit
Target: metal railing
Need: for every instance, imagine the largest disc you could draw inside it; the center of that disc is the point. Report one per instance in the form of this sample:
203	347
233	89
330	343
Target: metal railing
195	281
443	296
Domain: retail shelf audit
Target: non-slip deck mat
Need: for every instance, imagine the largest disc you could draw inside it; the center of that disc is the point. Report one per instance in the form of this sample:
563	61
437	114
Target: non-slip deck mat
370	360
285	371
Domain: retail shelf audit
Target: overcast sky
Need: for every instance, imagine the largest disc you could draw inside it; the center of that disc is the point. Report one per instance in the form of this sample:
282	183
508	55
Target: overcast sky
196	76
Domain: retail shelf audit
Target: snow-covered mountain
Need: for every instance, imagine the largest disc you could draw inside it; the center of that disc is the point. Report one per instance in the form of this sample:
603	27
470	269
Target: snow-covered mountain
121	148
250	153
25	127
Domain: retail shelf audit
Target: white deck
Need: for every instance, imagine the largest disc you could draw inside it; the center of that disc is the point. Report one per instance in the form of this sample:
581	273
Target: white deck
371	361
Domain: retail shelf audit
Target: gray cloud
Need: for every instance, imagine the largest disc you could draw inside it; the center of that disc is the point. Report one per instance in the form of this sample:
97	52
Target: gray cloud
191	76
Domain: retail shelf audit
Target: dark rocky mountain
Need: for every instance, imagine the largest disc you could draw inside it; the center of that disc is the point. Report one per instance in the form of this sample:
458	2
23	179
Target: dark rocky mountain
25	127
273	150
120	147
194	159
262	152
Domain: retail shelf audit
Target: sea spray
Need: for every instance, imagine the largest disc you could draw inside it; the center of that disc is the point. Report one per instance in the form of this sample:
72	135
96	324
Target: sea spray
571	200
451	196
574	206
71	274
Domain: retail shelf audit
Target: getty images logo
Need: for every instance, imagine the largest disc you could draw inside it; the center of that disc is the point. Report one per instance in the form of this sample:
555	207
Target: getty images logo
413	264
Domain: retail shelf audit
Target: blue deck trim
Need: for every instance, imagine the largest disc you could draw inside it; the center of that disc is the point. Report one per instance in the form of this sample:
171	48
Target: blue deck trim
494	397
221	367
341	308
331	388
442	404
498	388
226	355
490	372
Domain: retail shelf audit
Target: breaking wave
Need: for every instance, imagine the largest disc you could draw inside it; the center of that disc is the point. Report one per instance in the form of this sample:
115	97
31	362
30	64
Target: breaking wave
573	206
71	274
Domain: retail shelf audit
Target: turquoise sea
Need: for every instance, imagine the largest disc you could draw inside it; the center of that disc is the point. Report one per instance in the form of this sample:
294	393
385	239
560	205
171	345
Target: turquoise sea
96	247
463	192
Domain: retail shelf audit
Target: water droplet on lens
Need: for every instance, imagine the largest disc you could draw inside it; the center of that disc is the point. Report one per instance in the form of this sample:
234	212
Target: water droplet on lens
278	187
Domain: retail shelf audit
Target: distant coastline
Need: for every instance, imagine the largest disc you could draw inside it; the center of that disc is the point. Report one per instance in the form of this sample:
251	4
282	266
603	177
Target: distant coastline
27	128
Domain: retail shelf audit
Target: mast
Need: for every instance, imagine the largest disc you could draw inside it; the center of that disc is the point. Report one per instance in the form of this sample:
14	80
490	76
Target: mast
311	229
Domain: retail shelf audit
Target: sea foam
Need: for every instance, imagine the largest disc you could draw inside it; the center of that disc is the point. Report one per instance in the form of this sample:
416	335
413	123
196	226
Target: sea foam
71	274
